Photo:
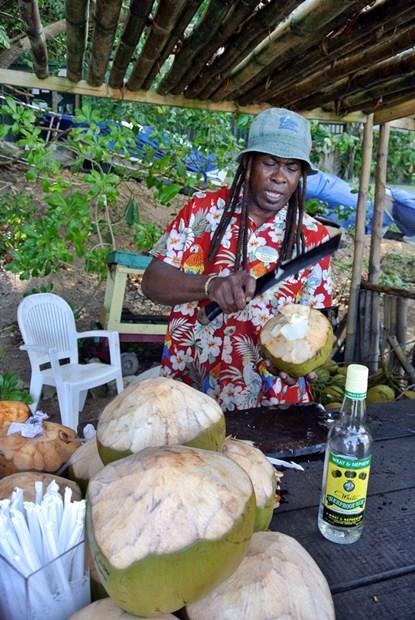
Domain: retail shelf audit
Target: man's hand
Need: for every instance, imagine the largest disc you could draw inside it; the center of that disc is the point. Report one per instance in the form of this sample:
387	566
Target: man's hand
286	378
232	292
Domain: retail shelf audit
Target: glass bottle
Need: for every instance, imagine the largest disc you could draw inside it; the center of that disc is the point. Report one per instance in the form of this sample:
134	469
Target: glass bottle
347	464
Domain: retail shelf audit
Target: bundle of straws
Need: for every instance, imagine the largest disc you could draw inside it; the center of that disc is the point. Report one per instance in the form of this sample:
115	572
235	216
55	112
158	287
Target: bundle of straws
36	539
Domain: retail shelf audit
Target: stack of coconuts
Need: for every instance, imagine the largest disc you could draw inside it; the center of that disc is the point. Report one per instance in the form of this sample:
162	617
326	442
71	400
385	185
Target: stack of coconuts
177	513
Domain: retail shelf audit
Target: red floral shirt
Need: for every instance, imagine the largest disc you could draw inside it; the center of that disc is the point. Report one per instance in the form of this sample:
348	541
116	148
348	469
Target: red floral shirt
223	358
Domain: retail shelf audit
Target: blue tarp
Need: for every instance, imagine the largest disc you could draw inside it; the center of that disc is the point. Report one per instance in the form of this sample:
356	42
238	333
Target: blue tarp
403	210
341	200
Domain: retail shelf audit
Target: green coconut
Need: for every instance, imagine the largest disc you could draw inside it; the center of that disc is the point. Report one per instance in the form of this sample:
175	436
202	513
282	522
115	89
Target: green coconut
263	476
84	463
277	579
106	609
298	340
380	394
166	525
159	412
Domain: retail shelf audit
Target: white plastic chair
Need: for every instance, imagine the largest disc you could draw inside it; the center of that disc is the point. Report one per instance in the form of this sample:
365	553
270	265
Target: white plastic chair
48	328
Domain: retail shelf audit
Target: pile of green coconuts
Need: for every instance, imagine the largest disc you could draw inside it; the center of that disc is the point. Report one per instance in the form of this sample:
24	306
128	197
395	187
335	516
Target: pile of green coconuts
177	517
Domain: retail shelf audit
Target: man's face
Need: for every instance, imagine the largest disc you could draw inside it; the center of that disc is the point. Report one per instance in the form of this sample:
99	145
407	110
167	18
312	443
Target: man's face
272	182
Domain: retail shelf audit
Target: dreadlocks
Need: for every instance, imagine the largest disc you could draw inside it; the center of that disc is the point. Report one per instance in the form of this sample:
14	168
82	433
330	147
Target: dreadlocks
293	233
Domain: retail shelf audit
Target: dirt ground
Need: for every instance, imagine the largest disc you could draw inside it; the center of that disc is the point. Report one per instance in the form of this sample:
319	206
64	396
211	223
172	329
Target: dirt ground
82	292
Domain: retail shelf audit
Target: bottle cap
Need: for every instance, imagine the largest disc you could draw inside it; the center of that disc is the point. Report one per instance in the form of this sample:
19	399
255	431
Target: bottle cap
356	381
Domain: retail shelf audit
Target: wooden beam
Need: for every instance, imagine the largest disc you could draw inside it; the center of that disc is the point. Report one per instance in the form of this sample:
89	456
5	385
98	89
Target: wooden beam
407	108
62	85
403	123
52	83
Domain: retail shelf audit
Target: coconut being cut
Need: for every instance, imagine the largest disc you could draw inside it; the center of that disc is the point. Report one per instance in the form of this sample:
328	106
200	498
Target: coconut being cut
106	609
166	525
159	412
298	340
263	476
277	579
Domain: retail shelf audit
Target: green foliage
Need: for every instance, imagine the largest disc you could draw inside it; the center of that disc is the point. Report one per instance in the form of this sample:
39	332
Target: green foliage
11	388
81	218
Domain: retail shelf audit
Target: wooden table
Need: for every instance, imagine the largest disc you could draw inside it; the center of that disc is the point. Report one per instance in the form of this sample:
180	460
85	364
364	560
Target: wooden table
373	578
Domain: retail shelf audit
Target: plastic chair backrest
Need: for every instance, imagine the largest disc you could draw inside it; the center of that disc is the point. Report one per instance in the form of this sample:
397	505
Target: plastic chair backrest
47	320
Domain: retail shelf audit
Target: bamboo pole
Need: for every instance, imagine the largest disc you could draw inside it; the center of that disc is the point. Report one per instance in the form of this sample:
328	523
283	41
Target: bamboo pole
176	36
402	321
7	57
216	12
240	44
137	18
76	14
30	14
107	13
406	365
383	19
233	21
377	235
400	110
163	23
359	240
295	36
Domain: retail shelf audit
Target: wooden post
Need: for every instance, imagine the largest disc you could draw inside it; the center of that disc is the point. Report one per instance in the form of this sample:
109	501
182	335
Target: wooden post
376	239
359	241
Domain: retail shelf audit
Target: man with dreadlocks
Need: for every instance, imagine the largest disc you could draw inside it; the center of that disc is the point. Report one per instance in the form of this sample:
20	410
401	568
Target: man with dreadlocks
216	247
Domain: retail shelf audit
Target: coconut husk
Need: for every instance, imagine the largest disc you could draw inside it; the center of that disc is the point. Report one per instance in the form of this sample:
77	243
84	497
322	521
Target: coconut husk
13	411
25	480
46	452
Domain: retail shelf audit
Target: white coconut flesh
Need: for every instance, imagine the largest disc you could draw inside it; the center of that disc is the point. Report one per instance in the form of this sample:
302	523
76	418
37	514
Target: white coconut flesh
297	340
106	609
158	412
262	475
167	524
277	579
85	462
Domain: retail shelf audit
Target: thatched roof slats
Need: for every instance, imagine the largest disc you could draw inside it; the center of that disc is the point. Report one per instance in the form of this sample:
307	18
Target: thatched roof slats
233	21
403	64
343	67
76	14
107	13
370	98
137	19
369	29
206	30
30	15
176	36
293	37
240	44
163	23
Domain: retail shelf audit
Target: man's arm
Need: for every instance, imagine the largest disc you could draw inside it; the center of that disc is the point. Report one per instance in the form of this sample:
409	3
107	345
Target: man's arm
168	285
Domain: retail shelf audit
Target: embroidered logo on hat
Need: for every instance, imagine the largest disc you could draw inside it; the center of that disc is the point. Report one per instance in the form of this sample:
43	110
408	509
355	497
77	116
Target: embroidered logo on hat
288	123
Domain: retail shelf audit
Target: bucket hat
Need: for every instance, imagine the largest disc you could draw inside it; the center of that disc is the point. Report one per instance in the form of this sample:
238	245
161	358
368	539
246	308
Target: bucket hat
282	133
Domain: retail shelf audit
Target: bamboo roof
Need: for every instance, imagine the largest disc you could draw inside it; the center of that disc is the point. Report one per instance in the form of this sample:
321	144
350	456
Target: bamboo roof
340	58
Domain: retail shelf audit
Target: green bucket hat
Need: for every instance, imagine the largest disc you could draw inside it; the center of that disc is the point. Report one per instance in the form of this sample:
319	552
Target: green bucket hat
282	133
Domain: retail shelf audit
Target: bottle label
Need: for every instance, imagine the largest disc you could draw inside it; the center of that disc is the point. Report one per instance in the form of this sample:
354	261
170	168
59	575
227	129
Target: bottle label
346	489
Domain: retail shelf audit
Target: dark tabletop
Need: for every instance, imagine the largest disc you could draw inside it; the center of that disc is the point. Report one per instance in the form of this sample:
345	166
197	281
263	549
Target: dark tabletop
373	578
